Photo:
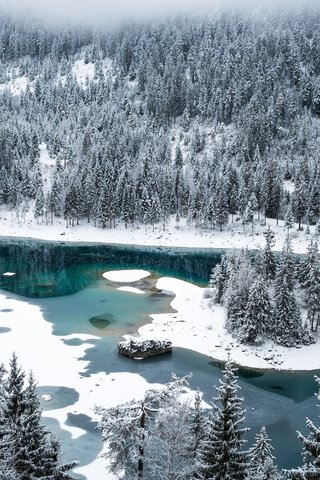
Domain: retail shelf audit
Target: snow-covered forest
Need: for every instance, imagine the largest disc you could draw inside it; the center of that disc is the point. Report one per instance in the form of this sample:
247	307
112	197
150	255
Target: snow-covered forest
267	297
166	435
213	119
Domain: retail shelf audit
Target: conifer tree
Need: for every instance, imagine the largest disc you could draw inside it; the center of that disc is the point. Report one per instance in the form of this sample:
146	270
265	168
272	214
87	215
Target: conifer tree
310	469
268	262
261	459
27	448
223	457
288	328
258	313
135	430
310	280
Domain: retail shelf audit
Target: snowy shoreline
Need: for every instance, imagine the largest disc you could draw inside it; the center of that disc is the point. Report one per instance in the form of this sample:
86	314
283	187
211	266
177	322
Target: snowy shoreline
197	326
184	236
208	335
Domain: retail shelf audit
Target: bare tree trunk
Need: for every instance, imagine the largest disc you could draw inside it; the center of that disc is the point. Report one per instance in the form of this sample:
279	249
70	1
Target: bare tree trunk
141	447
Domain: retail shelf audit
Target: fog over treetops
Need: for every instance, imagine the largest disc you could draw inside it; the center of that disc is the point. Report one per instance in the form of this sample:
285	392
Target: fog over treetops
110	10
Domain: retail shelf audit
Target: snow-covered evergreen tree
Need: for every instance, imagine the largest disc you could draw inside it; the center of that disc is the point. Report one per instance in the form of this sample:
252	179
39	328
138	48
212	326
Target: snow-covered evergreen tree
310	469
261	459
141	435
288	328
223	455
258	316
268	262
27	449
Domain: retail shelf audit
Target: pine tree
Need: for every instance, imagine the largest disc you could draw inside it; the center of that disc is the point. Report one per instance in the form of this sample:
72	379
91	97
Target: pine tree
236	293
258	313
223	456
310	469
39	206
287	318
261	466
288	219
221	204
300	200
27	448
268	262
286	269
218	279
310	281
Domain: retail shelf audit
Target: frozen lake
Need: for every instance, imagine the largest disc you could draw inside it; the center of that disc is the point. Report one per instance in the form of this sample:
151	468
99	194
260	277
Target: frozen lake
65	282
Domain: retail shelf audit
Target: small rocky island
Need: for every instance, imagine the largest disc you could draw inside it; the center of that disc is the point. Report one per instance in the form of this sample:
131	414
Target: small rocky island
144	348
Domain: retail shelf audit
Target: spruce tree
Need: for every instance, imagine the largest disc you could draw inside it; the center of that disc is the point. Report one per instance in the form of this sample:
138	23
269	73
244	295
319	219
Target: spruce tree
223	457
258	313
309	276
313	297
267	257
27	448
310	469
288	328
261	466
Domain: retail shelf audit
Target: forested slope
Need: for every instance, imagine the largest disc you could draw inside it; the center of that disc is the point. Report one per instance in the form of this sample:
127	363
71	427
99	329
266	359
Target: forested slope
204	118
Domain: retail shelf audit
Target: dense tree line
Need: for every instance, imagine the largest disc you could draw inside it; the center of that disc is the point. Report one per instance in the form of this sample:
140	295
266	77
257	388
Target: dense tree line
164	436
261	294
205	118
28	450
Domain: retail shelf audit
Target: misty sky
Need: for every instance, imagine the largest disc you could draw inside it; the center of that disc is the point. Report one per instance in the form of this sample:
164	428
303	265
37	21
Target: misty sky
119	9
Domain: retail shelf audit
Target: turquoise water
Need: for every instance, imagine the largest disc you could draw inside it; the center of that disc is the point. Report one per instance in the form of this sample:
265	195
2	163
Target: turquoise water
48	269
65	282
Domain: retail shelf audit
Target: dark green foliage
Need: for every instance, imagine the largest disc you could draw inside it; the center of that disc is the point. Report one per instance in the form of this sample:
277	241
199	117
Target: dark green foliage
258	318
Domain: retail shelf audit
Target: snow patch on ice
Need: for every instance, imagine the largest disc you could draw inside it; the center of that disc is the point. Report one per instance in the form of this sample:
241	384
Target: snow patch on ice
131	290
125	276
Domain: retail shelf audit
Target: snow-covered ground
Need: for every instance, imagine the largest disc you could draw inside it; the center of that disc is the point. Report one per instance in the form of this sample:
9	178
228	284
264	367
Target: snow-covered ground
234	236
125	276
199	327
15	86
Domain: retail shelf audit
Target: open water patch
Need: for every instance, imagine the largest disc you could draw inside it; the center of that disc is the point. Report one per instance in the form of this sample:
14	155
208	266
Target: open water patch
60	397
5	330
77	342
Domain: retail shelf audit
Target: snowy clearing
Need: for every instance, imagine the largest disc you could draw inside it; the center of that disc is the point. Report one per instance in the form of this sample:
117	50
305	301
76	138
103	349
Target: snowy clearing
15	86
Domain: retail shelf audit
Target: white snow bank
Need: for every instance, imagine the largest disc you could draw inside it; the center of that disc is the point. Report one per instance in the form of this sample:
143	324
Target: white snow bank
45	158
199	327
125	276
131	290
234	235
